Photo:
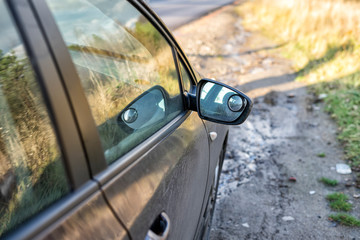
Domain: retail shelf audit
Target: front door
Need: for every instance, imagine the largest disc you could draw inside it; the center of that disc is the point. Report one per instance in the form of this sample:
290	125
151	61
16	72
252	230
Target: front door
156	151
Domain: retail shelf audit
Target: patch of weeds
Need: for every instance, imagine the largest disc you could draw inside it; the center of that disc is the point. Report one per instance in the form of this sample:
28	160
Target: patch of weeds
321	155
345	219
337	197
328	181
341	206
343	105
338	202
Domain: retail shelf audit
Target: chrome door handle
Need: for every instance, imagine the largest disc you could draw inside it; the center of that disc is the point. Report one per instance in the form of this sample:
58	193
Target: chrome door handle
160	228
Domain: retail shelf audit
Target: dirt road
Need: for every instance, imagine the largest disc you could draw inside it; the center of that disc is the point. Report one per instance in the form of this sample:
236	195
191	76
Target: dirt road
282	138
176	13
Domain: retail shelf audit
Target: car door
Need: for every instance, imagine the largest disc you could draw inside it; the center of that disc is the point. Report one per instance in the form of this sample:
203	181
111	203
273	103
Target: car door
45	182
154	159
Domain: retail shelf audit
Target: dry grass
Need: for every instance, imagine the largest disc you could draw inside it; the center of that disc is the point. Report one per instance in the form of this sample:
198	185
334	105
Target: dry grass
310	28
321	37
28	147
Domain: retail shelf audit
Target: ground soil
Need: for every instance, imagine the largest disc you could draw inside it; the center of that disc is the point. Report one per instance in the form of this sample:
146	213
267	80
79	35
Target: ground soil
281	139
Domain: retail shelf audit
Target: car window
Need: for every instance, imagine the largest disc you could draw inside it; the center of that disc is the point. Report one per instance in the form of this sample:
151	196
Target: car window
126	68
31	172
185	77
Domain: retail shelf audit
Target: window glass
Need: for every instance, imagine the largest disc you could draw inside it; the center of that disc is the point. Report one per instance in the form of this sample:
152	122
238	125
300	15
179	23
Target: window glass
185	77
31	172
126	68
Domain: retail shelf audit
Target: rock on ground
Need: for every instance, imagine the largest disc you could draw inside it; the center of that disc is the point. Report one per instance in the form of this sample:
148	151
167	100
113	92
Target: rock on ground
281	139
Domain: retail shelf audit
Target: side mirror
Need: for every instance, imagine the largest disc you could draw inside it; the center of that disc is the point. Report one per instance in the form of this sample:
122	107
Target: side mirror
147	109
220	103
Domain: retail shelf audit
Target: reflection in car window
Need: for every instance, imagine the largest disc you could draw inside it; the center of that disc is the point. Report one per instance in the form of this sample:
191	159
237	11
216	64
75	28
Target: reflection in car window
220	97
31	172
126	68
185	77
214	102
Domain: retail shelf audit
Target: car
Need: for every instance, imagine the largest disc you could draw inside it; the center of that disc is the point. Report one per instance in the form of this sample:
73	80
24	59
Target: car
99	135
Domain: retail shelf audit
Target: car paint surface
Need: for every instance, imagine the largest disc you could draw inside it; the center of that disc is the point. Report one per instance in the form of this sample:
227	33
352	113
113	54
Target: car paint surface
170	178
91	219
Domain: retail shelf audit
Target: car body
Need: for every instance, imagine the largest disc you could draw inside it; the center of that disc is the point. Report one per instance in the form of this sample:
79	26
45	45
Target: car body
99	135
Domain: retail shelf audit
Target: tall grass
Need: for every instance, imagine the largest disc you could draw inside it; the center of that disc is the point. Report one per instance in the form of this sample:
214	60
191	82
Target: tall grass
28	148
322	37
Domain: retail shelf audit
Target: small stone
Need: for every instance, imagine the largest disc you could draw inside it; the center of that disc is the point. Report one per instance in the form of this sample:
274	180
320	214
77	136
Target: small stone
356	195
312	192
256	70
333	168
252	167
271	98
292	179
290	95
267	61
343	168
322	96
288	218
245	225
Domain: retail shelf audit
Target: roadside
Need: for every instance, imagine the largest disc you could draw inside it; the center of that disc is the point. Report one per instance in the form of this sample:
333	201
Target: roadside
284	137
176	13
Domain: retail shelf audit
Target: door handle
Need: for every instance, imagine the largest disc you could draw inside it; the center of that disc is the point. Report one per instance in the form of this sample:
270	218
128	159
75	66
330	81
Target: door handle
213	136
160	228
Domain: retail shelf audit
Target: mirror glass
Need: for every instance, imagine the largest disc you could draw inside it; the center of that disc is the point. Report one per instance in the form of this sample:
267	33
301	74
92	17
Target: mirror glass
235	103
148	109
220	103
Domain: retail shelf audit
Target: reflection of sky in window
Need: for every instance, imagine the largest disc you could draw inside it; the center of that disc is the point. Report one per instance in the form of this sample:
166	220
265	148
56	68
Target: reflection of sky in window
76	17
121	11
206	89
79	20
220	97
9	39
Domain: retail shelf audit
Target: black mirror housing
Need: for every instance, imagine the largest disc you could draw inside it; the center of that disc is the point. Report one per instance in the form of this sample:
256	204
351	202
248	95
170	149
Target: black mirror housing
220	103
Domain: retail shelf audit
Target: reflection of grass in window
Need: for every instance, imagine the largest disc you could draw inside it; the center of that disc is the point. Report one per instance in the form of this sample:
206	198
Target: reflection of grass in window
148	35
27	146
118	81
27	201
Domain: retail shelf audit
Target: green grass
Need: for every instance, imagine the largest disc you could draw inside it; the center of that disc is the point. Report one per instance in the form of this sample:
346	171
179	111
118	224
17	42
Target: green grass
338	202
321	155
341	206
343	104
337	197
328	181
345	219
